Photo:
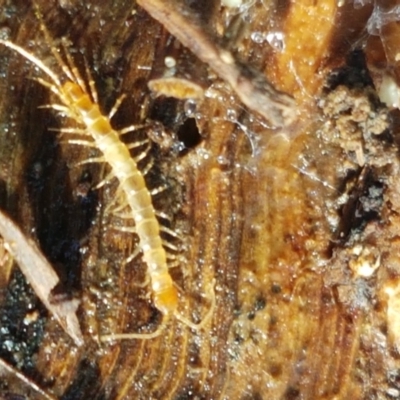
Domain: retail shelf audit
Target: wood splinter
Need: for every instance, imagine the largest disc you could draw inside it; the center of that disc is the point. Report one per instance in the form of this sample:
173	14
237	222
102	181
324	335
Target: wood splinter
41	276
252	87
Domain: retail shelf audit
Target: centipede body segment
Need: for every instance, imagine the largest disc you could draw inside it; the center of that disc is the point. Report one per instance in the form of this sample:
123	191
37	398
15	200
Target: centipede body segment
81	104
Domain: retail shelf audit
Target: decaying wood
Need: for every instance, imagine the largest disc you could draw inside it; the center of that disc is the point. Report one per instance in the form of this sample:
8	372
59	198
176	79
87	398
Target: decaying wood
250	85
41	276
299	229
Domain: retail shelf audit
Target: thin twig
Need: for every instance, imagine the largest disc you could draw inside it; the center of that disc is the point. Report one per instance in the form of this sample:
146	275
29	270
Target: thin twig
41	276
250	85
31	387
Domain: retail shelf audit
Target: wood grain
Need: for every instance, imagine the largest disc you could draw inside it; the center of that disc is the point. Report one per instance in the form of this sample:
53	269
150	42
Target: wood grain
298	226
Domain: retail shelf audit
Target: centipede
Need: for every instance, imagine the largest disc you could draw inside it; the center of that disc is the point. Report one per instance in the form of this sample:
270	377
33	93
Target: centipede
79	102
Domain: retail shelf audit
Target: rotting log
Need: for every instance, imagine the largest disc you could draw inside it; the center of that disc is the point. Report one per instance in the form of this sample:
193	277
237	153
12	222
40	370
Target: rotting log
298	226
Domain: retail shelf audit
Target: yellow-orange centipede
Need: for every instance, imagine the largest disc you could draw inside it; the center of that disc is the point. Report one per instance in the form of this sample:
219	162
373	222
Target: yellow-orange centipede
81	104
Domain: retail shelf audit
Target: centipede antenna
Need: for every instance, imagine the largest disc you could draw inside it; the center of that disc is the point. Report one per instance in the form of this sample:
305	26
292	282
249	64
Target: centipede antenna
51	86
35	61
76	77
49	40
57	90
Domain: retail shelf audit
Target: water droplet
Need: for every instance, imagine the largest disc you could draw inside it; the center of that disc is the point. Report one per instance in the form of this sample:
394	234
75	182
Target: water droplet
203	153
276	40
4	330
211	93
231	115
190	107
257	37
178	147
8	344
222	160
198	116
5	33
83	250
169	62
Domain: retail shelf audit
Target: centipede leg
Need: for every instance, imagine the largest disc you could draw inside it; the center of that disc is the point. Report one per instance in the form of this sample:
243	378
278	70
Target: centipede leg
143	154
163	216
118	208
135	145
81	142
207	317
171	233
91	160
131	128
158	190
173	264
109	177
147	167
76	131
54	89
116	105
145	283
57	107
70	66
130	336
127	229
92	86
170	246
132	257
126	215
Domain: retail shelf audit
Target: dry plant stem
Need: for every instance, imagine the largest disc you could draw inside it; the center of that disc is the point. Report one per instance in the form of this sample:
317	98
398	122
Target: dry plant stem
250	85
41	276
7	371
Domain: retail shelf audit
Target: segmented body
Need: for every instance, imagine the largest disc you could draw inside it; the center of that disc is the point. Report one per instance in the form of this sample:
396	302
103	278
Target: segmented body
137	195
78	104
